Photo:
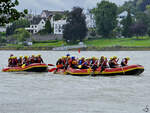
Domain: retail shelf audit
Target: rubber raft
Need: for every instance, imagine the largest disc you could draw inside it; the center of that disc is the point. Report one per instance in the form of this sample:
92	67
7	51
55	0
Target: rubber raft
127	70
36	67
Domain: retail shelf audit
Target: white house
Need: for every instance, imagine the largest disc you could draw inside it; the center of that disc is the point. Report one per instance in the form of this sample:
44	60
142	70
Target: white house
2	29
121	16
50	15
58	26
90	21
36	25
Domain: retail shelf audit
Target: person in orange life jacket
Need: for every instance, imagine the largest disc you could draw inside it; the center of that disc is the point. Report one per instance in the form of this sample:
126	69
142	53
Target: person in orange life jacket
124	61
103	63
20	61
73	63
32	59
14	61
94	63
10	61
88	61
59	64
26	60
67	61
82	63
114	62
39	59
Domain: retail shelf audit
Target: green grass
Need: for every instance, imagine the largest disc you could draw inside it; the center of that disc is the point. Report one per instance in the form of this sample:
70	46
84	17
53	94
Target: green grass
130	42
56	44
127	42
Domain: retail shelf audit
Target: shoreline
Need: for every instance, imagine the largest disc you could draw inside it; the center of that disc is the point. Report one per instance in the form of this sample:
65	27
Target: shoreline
89	48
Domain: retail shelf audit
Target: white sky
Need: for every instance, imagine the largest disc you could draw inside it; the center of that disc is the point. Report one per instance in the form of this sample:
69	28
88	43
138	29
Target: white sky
36	6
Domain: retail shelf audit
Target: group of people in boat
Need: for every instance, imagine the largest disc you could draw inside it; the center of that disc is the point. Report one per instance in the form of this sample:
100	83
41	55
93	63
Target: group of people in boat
13	61
84	63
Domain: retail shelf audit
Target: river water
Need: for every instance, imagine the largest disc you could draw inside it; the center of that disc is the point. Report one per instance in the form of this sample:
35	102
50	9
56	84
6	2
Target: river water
24	92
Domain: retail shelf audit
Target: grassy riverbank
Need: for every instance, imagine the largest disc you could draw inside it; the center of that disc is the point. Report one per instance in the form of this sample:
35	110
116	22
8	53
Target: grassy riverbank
124	42
140	43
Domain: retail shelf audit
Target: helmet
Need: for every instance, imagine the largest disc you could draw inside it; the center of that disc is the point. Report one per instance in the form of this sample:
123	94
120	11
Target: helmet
63	57
68	55
11	55
39	55
25	56
115	57
82	57
111	58
93	57
102	56
33	55
20	56
127	58
73	57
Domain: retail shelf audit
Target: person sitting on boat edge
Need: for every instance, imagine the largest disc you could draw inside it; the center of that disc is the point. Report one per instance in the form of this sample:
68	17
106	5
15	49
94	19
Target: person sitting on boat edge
10	61
73	63
103	63
67	58
113	63
94	63
26	60
82	64
60	64
124	61
39	59
32	59
20	61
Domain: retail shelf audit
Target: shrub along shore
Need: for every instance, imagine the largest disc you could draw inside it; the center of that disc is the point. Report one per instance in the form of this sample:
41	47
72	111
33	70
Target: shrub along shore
101	44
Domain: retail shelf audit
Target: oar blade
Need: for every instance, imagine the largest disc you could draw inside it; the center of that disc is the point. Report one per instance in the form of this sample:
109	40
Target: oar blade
50	65
51	70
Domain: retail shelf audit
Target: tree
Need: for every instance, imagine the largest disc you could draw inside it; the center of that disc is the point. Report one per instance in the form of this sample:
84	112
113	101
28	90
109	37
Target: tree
22	23
138	29
75	29
8	13
48	27
2	37
141	4
127	22
21	34
106	18
58	16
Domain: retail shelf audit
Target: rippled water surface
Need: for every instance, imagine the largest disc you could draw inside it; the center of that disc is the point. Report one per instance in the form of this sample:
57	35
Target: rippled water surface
24	92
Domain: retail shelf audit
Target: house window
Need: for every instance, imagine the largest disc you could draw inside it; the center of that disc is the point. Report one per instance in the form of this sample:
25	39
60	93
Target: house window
32	26
35	31
35	26
56	26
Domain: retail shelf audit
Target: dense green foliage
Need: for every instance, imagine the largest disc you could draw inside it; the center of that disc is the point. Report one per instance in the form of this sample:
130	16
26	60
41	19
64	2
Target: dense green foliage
22	23
21	35
2	37
127	42
48	27
75	29
127	22
106	18
58	16
8	13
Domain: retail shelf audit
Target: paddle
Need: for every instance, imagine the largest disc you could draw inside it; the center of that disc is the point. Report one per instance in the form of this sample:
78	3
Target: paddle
92	70
51	65
51	70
